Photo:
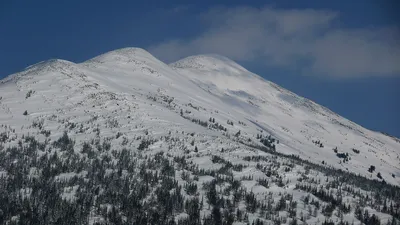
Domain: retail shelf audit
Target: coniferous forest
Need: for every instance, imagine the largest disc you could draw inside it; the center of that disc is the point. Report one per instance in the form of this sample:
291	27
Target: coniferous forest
56	183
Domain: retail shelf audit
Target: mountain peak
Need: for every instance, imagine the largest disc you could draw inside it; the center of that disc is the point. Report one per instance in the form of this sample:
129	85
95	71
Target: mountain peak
46	66
128	54
51	63
209	62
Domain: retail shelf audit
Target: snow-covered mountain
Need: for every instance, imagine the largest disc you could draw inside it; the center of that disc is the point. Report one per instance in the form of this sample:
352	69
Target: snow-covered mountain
207	104
123	80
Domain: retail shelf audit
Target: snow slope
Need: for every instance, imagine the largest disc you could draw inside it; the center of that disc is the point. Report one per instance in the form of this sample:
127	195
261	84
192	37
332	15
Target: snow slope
294	120
130	91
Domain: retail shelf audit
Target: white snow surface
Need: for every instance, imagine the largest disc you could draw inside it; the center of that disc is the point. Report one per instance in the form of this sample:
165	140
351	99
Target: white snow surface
121	86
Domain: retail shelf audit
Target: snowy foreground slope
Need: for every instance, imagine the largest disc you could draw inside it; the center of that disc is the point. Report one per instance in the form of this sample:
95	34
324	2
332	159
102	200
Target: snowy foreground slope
248	150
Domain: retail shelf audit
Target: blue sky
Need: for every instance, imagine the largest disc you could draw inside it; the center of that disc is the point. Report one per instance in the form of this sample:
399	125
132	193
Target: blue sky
340	54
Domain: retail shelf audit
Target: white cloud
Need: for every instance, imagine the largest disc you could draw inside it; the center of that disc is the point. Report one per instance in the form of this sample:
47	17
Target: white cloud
300	39
357	53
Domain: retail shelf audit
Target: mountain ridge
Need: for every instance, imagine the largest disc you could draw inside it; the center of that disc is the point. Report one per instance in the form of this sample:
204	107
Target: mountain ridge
54	64
293	116
126	138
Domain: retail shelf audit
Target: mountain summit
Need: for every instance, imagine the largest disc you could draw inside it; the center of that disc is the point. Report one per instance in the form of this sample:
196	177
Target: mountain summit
123	55
130	138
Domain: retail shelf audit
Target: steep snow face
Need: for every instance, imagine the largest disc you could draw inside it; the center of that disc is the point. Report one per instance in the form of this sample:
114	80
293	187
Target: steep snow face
130	91
297	122
217	71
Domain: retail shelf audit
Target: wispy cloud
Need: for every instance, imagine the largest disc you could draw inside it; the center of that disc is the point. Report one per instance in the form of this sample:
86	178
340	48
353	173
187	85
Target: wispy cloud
306	40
